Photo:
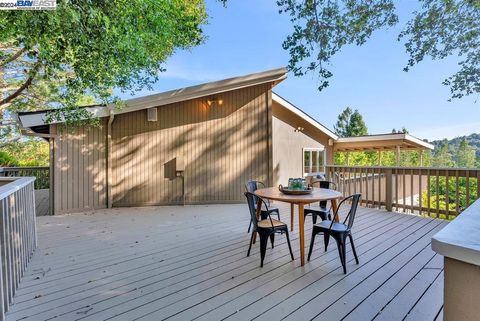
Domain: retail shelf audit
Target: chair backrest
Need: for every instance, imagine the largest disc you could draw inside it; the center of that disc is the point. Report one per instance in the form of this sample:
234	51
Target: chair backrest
252	200
354	201
327	185
252	186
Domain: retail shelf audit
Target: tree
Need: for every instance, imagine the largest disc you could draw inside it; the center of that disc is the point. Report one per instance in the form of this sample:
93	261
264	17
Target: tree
440	29
350	123
443	157
32	151
465	155
52	59
357	126
400	131
343	122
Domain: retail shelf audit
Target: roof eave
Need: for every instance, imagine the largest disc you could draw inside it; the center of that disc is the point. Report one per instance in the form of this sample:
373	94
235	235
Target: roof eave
282	101
273	76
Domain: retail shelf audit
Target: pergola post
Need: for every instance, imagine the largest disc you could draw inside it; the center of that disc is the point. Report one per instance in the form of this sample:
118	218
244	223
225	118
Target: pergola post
397	156
379	158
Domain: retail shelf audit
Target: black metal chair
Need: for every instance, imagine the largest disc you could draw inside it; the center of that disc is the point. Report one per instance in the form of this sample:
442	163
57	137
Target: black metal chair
321	210
339	231
251	187
266	228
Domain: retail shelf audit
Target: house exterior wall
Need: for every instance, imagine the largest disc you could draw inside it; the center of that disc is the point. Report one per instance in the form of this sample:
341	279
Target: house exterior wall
288	145
219	146
288	151
78	161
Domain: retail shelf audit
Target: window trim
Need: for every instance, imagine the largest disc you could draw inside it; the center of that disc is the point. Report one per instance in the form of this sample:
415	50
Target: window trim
313	149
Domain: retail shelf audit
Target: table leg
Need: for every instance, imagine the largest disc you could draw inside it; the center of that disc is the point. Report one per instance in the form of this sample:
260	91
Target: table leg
334	209
257	213
292	215
301	233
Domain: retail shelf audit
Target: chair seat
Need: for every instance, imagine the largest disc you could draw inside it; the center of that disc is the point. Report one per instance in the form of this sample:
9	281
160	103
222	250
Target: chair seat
336	227
266	223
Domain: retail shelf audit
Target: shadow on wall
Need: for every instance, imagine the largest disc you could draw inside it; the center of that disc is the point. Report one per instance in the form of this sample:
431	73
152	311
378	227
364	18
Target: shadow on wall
80	181
222	147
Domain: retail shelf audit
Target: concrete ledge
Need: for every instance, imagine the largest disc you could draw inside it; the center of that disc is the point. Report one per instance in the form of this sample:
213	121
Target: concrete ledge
460	240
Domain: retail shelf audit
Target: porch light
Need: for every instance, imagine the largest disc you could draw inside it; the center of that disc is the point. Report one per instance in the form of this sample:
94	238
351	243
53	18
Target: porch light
299	129
210	102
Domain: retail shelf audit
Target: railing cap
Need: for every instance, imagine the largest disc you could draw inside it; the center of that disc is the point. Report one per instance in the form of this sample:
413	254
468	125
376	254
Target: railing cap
14	184
474	169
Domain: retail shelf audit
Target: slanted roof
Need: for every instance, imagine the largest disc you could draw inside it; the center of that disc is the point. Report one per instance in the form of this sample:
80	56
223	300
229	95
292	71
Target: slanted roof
380	142
274	76
301	118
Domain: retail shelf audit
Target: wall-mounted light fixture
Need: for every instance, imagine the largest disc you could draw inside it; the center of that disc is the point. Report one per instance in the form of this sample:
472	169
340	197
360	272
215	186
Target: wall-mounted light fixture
214	100
299	129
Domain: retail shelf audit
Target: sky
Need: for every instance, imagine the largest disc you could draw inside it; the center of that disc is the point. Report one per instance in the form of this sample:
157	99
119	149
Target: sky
247	37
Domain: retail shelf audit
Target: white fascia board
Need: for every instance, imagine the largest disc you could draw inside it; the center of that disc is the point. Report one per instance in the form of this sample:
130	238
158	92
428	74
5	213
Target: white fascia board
401	136
297	111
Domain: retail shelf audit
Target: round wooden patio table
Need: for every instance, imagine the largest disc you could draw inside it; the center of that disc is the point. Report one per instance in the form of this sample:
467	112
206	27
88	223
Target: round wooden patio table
318	194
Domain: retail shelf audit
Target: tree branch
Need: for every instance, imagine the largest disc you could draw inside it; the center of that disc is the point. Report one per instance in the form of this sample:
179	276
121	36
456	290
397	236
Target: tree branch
4	143
13	57
25	85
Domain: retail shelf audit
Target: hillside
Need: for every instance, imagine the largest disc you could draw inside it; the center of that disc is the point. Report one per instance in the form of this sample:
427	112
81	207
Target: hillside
473	140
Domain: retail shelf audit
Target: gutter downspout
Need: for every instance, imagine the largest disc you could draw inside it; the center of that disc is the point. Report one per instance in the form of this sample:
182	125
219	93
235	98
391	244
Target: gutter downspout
108	157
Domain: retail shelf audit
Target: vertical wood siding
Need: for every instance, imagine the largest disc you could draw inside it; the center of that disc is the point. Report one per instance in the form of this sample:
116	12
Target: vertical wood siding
79	168
222	146
288	151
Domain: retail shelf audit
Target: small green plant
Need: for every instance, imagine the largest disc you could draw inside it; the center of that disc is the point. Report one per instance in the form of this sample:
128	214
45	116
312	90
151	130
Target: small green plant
6	160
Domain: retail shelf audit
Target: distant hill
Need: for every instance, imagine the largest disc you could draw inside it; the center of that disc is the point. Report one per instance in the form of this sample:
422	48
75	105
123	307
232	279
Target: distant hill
473	140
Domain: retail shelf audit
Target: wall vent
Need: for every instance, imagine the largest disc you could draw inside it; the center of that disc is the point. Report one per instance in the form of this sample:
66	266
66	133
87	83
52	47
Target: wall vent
152	114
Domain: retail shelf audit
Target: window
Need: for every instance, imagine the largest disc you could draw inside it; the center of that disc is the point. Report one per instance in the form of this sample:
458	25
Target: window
313	160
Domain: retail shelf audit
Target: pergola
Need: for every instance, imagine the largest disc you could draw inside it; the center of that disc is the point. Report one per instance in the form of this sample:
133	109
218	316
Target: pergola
385	142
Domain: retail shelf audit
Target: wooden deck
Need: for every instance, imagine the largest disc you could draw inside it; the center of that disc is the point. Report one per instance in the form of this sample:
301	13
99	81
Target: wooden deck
184	263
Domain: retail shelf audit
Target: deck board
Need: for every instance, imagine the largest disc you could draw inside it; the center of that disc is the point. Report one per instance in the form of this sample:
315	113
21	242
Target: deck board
184	263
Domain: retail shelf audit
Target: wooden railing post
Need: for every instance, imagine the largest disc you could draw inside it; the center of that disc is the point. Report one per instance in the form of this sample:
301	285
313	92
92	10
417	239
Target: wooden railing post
389	189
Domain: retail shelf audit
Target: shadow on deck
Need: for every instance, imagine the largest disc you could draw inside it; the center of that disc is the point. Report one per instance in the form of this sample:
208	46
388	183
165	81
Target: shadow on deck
190	262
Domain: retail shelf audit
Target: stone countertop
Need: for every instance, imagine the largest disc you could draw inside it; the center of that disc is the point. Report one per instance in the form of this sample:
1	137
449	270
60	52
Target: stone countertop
460	239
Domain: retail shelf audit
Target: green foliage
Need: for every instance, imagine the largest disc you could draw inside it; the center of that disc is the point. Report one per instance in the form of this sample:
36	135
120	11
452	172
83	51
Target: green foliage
473	141
7	160
28	152
465	155
400	131
443	157
385	158
452	192
52	59
322	28
441	28
350	123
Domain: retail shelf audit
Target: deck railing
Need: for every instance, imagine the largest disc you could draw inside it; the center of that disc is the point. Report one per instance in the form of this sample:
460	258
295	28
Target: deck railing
41	173
18	236
436	192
